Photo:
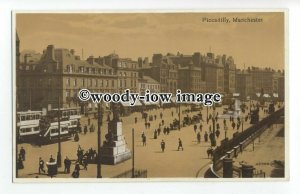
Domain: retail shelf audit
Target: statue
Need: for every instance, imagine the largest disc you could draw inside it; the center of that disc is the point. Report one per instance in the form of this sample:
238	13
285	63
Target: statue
116	112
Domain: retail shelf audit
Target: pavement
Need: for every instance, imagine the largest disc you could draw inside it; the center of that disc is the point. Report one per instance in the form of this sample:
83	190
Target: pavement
267	153
171	163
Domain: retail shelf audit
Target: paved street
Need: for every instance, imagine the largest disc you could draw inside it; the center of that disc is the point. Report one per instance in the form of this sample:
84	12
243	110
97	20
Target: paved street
171	163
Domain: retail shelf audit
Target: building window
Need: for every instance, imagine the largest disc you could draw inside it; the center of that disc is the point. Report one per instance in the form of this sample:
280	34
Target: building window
83	82
75	82
107	83
68	81
81	69
67	94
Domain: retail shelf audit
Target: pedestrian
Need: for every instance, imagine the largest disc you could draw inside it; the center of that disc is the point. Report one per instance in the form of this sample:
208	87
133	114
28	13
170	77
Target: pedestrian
75	173
85	129
162	145
161	115
51	159
89	121
195	128
67	163
198	137
165	130
76	137
180	144
155	134
41	165
201	127
20	164
217	133
144	140
158	131
85	162
233	124
92	128
205	136
22	153
135	120
172	113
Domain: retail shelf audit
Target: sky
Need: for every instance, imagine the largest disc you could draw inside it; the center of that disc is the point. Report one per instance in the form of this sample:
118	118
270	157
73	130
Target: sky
133	35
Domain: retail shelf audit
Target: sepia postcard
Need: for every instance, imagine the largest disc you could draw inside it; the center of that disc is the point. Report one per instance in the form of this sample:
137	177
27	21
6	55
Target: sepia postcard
149	96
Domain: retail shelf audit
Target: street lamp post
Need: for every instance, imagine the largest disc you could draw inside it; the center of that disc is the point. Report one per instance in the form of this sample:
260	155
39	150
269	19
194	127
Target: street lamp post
213	143
59	140
179	116
206	113
100	116
132	153
242	124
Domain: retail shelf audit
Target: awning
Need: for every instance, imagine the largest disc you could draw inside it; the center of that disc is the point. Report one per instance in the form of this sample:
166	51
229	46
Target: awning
236	94
266	96
128	104
125	104
275	95
150	103
173	99
258	94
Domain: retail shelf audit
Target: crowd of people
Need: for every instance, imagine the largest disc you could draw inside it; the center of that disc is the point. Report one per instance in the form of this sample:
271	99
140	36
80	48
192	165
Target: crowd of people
209	129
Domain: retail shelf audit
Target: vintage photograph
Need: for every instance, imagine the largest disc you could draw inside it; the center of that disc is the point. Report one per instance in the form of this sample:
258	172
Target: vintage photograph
58	134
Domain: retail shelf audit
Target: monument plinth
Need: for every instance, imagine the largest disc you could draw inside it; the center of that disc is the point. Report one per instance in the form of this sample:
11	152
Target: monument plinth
114	148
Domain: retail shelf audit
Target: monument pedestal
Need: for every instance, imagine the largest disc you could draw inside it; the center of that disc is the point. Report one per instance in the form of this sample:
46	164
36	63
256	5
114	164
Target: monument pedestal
114	148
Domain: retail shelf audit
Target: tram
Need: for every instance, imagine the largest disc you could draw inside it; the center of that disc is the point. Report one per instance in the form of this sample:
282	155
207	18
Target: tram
71	114
28	125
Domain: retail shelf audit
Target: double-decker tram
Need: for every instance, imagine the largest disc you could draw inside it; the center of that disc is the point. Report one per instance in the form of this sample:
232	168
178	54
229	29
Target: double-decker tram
71	114
28	125
49	129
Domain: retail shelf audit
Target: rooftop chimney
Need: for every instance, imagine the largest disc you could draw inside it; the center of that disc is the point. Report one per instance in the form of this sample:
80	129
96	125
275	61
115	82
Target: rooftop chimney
50	52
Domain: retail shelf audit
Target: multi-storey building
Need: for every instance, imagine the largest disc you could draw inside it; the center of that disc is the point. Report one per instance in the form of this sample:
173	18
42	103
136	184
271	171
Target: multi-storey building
214	74
262	80
59	75
229	74
243	83
148	83
189	79
165	72
127	74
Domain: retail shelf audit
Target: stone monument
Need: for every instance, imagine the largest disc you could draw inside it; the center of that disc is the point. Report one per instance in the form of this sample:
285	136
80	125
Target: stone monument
114	148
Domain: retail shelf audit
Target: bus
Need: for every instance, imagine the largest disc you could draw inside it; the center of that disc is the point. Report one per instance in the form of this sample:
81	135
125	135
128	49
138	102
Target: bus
28	124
